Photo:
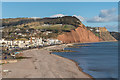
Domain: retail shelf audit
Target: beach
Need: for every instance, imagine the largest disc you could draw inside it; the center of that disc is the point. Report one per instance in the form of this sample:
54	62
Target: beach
42	64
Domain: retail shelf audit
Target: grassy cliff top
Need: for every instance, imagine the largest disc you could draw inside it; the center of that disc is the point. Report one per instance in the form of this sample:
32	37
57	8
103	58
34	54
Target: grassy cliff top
69	20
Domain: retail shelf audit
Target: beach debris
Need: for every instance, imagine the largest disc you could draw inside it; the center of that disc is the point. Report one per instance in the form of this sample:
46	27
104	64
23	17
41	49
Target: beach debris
7	61
13	55
50	52
6	71
16	53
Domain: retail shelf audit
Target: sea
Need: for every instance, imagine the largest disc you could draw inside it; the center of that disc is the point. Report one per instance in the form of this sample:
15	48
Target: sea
100	59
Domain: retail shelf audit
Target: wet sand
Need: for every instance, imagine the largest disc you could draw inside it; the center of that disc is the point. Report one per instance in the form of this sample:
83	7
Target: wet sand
43	65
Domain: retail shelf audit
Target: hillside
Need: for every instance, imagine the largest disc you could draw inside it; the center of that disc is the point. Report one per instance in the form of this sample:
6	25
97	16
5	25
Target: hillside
70	20
116	35
80	34
102	32
68	29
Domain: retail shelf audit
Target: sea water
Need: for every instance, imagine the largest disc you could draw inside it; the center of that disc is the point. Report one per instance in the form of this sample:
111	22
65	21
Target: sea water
100	60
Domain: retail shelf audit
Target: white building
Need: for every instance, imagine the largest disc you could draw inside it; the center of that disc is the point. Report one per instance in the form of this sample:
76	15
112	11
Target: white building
97	30
53	41
91	29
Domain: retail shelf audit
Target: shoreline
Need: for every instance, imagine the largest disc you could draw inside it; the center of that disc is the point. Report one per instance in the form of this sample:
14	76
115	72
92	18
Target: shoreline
79	68
92	42
63	46
67	64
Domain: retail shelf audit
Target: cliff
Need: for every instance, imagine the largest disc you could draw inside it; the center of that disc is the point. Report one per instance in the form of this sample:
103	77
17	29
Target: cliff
68	29
116	35
102	32
105	34
80	34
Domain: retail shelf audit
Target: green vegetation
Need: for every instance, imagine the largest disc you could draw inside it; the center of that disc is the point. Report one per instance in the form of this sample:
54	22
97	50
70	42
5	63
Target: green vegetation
73	46
2	63
21	57
55	27
69	20
17	28
97	34
78	46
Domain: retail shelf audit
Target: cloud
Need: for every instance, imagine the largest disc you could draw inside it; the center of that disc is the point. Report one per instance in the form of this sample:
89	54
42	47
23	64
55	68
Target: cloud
106	15
58	15
79	17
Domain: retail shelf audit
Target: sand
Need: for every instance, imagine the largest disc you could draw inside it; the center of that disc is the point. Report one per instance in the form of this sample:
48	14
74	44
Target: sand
43	65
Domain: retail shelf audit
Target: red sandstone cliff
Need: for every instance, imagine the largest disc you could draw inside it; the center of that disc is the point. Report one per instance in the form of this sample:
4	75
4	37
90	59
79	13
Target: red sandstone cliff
105	34
80	34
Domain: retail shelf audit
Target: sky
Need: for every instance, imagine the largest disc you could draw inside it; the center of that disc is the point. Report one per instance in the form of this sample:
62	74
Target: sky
94	14
60	0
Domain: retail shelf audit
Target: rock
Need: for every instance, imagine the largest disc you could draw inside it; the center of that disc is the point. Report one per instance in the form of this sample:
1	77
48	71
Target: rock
80	34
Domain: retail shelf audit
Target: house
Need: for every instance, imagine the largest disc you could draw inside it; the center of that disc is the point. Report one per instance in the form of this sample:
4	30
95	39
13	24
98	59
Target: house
17	29
47	32
36	41
97	30
21	42
45	25
91	29
53	41
19	33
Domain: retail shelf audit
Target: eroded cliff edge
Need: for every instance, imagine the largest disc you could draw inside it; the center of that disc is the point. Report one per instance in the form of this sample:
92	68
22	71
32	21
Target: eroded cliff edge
82	34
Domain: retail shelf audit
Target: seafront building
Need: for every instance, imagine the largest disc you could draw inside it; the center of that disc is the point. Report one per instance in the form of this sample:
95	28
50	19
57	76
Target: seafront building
9	47
24	43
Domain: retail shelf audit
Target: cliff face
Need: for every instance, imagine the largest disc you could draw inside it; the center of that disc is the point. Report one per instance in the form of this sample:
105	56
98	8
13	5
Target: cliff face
80	34
105	35
102	32
116	35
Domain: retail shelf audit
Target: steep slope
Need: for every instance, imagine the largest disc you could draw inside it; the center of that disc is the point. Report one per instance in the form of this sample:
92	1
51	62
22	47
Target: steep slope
116	35
65	34
80	34
105	35
102	32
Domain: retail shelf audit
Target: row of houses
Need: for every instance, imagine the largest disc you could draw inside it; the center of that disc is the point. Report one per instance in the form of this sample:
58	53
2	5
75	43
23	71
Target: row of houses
95	29
24	43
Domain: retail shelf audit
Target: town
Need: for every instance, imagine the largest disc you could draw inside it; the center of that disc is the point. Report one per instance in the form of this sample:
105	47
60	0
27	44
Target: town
9	46
14	40
28	33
